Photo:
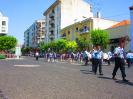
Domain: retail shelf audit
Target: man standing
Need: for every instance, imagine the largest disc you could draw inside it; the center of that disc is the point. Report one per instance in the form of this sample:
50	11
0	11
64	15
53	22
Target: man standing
37	55
98	60
120	61
86	56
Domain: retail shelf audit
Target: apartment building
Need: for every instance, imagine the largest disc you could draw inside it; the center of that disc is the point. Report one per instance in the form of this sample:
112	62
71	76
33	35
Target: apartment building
3	24
83	28
63	13
35	34
131	30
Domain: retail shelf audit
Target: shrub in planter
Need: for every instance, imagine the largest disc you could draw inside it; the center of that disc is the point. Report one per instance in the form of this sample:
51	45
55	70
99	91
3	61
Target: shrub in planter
2	56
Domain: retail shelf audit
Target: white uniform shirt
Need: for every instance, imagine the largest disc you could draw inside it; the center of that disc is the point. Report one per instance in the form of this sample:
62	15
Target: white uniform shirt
119	52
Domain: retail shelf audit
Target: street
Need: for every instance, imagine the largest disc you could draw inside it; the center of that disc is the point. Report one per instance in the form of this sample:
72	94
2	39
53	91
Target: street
30	79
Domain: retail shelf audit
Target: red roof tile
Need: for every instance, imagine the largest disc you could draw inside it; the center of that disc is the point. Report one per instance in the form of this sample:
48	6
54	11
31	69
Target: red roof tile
122	23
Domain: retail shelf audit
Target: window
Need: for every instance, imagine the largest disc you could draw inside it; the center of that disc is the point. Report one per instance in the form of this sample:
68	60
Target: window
77	29
3	22
68	32
3	30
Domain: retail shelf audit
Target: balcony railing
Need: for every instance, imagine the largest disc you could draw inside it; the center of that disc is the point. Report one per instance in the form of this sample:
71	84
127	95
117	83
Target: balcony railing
51	36
51	22
51	15
84	30
51	29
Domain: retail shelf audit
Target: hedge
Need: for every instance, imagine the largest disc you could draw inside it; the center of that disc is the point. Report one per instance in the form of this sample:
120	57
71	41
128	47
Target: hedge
2	56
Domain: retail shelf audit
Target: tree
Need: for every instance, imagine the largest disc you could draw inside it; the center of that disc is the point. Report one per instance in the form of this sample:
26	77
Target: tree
43	46
83	42
26	50
71	45
53	45
61	45
100	37
7	42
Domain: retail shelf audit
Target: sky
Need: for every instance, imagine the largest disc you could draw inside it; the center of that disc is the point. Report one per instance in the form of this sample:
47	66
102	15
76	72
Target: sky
23	13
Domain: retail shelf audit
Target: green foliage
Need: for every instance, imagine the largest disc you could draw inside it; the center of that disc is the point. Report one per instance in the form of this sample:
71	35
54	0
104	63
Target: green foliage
61	45
71	45
53	46
2	56
43	46
7	42
26	50
83	43
100	37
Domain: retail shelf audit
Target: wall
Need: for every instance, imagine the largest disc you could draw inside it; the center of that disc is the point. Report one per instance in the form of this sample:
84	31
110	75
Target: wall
102	23
73	11
119	32
3	27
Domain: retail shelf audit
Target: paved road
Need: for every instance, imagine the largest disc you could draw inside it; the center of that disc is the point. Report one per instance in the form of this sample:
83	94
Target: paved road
43	80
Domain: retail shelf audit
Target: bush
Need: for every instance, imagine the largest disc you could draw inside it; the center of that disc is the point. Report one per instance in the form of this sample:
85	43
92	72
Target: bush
2	56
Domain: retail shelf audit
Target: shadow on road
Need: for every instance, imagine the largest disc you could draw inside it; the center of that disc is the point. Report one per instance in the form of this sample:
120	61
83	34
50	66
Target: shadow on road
124	83
2	96
118	81
86	72
103	77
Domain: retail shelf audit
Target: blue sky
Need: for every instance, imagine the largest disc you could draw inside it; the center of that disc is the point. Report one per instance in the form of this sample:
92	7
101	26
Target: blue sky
22	13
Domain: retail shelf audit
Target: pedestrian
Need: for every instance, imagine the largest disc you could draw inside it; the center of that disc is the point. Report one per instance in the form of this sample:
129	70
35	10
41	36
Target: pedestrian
54	56
98	60
119	61
37	55
85	57
93	59
109	57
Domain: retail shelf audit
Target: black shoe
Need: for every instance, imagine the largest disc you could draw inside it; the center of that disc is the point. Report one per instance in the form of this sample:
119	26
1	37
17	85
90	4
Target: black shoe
101	74
114	78
125	80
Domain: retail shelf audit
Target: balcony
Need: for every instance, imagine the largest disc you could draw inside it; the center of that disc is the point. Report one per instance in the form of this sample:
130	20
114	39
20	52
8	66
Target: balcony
38	25
51	29
51	36
51	22
63	35
84	30
51	15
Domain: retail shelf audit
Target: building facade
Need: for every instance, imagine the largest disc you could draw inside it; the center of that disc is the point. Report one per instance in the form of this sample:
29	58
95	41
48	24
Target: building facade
131	33
63	13
35	34
117	32
3	24
83	28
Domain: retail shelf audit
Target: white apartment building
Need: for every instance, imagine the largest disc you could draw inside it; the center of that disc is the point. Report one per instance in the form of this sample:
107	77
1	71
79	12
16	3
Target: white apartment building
63	13
34	34
131	32
3	24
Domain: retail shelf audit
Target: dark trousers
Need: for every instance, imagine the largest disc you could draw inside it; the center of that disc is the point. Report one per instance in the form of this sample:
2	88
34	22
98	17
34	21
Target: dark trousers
86	60
98	63
128	62
36	57
93	64
119	63
109	62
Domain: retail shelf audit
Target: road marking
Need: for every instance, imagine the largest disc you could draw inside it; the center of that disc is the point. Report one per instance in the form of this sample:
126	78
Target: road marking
26	65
